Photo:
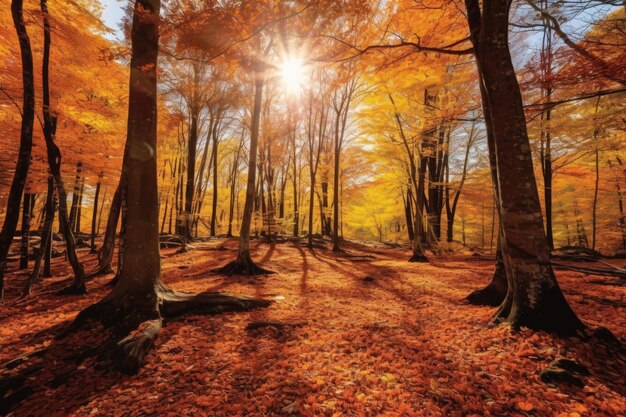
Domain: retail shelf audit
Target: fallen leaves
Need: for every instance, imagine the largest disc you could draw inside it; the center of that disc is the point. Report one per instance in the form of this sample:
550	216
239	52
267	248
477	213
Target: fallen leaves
404	346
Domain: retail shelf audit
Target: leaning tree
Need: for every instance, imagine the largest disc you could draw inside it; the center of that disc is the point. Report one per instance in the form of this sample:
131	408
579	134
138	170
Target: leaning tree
138	303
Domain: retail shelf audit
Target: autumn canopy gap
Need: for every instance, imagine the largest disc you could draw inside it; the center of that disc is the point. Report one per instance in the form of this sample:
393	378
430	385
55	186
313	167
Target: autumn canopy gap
312	207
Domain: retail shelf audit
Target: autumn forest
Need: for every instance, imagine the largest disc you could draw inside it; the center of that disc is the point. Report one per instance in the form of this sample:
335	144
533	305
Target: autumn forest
312	208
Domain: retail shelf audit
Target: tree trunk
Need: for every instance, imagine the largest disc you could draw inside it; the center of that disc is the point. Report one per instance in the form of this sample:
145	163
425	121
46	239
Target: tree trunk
495	292
534	298
75	196
336	170
26	140
139	301
296	203
46	237
243	264
596	139
47	273
214	205
408	214
94	216
191	173
79	210
105	255
620	205
26	214
54	163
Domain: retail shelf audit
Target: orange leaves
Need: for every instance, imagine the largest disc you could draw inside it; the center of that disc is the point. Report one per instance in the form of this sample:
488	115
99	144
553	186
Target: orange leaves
403	348
525	406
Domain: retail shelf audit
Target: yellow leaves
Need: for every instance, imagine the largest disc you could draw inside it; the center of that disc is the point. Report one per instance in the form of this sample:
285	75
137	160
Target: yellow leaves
388	378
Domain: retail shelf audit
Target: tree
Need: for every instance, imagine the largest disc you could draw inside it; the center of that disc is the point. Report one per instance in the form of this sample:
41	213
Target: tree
140	300
244	264
54	163
26	140
534	298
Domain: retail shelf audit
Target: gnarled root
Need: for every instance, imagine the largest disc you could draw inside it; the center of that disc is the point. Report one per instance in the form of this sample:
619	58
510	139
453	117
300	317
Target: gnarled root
129	354
243	265
136	319
175	303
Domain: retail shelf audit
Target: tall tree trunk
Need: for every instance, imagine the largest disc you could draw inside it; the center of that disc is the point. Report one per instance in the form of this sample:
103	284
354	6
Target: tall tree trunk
79	210
94	216
54	163
244	264
620	204
139	301
26	140
596	139
408	213
26	214
534	298
296	201
336	172
191	174
214	205
47	260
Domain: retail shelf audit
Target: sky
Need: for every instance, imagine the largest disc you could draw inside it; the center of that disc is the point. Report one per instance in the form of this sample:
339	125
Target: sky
112	15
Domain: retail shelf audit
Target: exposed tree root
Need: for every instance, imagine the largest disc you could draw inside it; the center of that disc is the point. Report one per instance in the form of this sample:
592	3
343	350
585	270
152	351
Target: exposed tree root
136	320
243	265
550	313
416	257
76	288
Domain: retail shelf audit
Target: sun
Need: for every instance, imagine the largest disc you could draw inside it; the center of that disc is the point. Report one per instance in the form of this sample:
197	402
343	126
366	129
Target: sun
293	74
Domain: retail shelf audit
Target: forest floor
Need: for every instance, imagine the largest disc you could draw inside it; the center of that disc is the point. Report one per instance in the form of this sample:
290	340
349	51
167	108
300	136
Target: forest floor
359	333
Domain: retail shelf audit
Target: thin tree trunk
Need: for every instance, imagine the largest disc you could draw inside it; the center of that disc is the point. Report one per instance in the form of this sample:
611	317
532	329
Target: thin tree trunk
54	162
26	214
46	237
79	210
94	216
596	139
214	205
243	264
75	195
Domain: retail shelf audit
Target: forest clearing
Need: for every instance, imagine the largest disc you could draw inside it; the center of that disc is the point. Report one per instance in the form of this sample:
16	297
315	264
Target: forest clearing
313	208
